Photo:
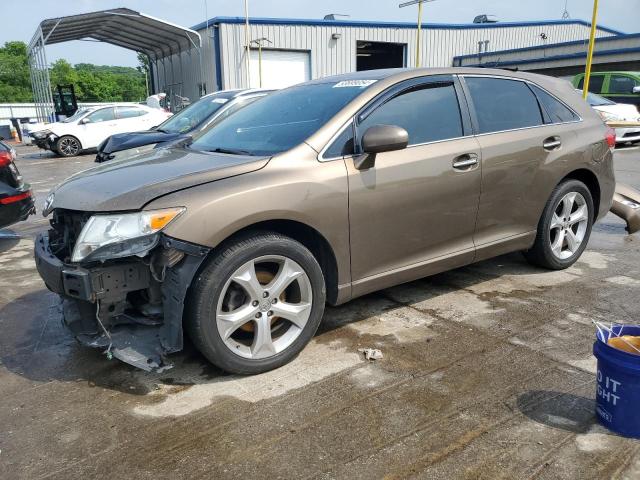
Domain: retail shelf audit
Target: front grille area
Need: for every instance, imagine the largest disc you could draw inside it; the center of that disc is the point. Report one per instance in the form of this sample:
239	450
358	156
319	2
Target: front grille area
66	226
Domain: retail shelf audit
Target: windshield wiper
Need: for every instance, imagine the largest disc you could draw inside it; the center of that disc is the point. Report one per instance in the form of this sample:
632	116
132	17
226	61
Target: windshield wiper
230	151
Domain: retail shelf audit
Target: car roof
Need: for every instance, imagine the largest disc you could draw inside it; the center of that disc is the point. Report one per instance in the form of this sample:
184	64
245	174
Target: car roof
399	74
229	94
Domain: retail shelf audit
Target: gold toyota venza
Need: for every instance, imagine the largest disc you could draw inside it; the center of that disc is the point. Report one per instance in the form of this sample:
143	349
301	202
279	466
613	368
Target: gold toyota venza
318	193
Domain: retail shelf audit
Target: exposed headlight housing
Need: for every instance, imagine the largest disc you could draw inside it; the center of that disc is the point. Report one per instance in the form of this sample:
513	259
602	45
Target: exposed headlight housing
107	236
40	134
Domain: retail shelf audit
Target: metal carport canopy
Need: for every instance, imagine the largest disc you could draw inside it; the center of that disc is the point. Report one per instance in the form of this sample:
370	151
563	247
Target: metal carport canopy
125	28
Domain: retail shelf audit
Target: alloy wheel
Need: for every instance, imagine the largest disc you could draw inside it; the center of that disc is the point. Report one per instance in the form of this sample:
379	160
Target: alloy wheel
69	147
568	225
264	306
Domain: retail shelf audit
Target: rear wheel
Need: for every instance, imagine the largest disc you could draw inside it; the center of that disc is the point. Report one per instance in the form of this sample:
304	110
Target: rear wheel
68	146
256	304
565	227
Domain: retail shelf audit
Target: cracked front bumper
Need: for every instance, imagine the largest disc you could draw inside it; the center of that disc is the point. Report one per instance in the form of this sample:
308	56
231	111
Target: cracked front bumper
98	306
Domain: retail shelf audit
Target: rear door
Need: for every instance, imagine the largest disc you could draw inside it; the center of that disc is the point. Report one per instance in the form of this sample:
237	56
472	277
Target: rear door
414	212
621	88
132	119
521	141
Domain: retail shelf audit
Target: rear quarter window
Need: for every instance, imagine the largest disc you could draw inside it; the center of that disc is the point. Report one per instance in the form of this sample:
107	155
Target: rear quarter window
503	104
556	111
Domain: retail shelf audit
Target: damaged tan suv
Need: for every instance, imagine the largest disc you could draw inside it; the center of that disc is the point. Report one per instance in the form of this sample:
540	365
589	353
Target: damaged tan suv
318	193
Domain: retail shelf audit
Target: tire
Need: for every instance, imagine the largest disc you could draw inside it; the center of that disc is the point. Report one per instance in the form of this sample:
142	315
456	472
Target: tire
229	312
562	237
68	146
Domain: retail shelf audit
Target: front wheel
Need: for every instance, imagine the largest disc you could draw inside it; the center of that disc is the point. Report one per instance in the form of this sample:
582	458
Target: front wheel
256	304
68	146
565	227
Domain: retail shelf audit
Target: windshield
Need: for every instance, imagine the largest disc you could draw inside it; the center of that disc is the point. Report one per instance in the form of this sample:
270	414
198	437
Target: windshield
596	100
194	115
76	116
281	120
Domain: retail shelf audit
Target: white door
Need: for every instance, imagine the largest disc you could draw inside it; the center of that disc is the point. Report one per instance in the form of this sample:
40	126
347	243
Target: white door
133	119
280	68
98	125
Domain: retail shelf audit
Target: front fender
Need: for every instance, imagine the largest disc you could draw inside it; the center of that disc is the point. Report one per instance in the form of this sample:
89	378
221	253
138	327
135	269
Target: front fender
305	191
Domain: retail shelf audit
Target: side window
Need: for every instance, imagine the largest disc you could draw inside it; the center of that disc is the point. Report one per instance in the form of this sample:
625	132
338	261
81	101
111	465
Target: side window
130	112
557	112
342	145
503	104
595	83
428	113
102	115
621	84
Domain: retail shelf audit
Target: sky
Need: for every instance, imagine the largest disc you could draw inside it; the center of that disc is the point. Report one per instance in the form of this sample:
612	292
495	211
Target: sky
618	14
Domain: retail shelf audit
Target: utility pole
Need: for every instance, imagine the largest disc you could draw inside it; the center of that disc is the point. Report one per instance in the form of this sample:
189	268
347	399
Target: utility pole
247	40
419	32
592	41
259	42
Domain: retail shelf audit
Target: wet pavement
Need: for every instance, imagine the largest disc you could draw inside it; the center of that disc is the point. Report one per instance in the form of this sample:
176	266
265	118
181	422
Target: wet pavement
487	373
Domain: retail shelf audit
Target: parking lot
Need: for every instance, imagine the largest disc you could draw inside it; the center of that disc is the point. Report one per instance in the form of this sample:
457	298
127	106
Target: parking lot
487	373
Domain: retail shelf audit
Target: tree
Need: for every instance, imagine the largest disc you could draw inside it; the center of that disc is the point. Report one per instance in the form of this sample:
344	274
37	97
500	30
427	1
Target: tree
15	79
93	83
62	73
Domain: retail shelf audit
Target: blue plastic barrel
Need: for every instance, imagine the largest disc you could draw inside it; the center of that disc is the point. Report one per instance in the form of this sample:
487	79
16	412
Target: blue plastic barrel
618	390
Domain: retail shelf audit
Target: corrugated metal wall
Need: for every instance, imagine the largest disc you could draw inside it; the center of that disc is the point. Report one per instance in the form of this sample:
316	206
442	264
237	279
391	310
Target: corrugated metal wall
185	75
331	57
623	42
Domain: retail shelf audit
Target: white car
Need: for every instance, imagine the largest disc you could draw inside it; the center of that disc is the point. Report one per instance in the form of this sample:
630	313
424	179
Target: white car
88	127
612	112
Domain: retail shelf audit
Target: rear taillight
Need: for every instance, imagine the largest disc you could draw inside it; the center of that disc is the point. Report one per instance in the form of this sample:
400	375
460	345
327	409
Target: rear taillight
5	159
15	198
610	137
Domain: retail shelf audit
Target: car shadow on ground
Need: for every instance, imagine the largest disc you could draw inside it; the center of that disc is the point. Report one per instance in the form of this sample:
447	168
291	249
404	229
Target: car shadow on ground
35	344
8	240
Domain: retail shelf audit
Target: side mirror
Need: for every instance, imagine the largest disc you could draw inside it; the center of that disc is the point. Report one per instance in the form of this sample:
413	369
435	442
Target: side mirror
85	120
635	89
379	139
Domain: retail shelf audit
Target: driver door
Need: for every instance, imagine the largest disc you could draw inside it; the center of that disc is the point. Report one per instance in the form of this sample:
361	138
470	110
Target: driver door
413	213
99	125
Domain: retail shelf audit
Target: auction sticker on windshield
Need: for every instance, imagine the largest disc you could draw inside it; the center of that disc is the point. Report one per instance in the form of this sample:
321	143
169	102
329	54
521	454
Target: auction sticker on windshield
354	83
219	100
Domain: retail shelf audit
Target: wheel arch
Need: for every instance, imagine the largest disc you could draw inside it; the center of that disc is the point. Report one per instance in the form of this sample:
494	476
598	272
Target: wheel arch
591	181
311	238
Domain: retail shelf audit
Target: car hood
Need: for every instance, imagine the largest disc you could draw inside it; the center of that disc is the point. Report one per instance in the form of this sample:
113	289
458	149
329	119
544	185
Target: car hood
125	141
130	184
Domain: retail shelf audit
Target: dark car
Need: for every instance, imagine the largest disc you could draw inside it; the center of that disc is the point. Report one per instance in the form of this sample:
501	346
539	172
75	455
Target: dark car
184	125
16	200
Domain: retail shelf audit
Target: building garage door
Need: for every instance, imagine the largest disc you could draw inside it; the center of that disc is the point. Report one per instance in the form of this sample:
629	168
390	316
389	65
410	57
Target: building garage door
280	68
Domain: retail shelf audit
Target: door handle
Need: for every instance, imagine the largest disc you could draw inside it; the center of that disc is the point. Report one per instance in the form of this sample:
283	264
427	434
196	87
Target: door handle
465	162
551	143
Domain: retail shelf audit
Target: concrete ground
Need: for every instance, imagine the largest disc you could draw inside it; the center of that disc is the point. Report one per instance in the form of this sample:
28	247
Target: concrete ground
487	373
